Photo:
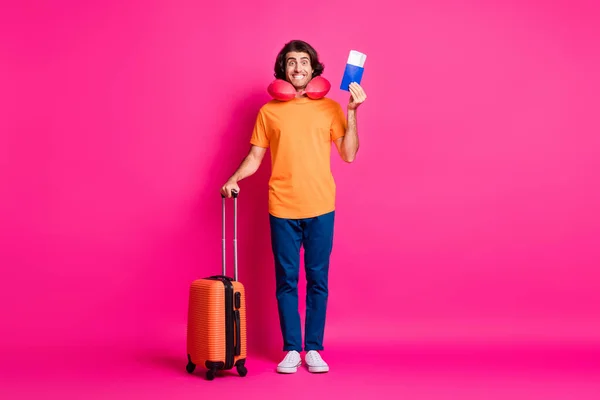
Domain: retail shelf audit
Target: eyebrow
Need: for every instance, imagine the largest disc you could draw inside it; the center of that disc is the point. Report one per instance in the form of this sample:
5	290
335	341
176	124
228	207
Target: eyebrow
292	58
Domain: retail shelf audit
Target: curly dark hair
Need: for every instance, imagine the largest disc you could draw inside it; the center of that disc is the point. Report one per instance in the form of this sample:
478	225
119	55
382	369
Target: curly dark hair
301	47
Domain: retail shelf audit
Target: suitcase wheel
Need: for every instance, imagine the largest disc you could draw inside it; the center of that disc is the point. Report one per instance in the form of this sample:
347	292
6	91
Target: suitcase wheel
210	374
240	365
242	370
190	367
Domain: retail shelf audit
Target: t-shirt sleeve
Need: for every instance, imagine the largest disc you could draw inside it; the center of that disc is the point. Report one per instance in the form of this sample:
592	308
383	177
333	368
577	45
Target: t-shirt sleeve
338	123
260	135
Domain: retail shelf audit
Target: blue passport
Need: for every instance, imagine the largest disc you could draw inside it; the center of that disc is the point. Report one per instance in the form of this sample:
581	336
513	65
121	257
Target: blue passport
355	67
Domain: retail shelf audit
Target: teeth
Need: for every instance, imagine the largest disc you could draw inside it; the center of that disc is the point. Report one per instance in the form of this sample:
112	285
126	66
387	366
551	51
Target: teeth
298	76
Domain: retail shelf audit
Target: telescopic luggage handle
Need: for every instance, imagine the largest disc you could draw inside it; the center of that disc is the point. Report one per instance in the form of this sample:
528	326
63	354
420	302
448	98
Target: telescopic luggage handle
234	194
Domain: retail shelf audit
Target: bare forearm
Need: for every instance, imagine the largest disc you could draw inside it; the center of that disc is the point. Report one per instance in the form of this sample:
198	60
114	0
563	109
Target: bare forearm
247	168
350	142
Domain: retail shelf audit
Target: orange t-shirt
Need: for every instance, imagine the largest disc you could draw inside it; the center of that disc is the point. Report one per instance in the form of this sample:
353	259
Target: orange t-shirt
299	133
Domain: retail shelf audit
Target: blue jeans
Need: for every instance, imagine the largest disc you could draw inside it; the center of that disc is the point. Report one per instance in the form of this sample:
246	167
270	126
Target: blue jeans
316	236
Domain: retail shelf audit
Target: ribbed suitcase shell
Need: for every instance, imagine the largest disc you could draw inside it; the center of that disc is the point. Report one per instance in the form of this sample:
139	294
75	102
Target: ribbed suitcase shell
206	336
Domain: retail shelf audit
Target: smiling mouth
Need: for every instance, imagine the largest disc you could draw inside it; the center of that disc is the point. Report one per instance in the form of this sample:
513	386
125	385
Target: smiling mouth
298	77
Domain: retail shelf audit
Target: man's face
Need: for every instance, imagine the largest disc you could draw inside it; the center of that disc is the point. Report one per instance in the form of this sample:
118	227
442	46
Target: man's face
298	70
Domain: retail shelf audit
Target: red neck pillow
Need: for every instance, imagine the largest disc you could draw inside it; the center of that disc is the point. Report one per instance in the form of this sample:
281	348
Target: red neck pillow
282	90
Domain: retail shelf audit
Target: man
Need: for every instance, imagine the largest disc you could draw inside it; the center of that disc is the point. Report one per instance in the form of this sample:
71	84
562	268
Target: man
299	133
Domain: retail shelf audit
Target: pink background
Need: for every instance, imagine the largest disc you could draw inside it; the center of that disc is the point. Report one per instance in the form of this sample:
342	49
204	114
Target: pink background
471	213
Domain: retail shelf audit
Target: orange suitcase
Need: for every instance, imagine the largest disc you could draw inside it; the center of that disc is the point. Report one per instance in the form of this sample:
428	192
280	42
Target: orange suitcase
216	329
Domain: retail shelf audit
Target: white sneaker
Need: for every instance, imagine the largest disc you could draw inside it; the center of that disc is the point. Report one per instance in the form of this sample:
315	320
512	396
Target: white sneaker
290	363
315	362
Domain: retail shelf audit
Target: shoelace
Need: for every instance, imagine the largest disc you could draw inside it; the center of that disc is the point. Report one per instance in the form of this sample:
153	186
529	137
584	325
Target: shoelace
290	357
315	358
